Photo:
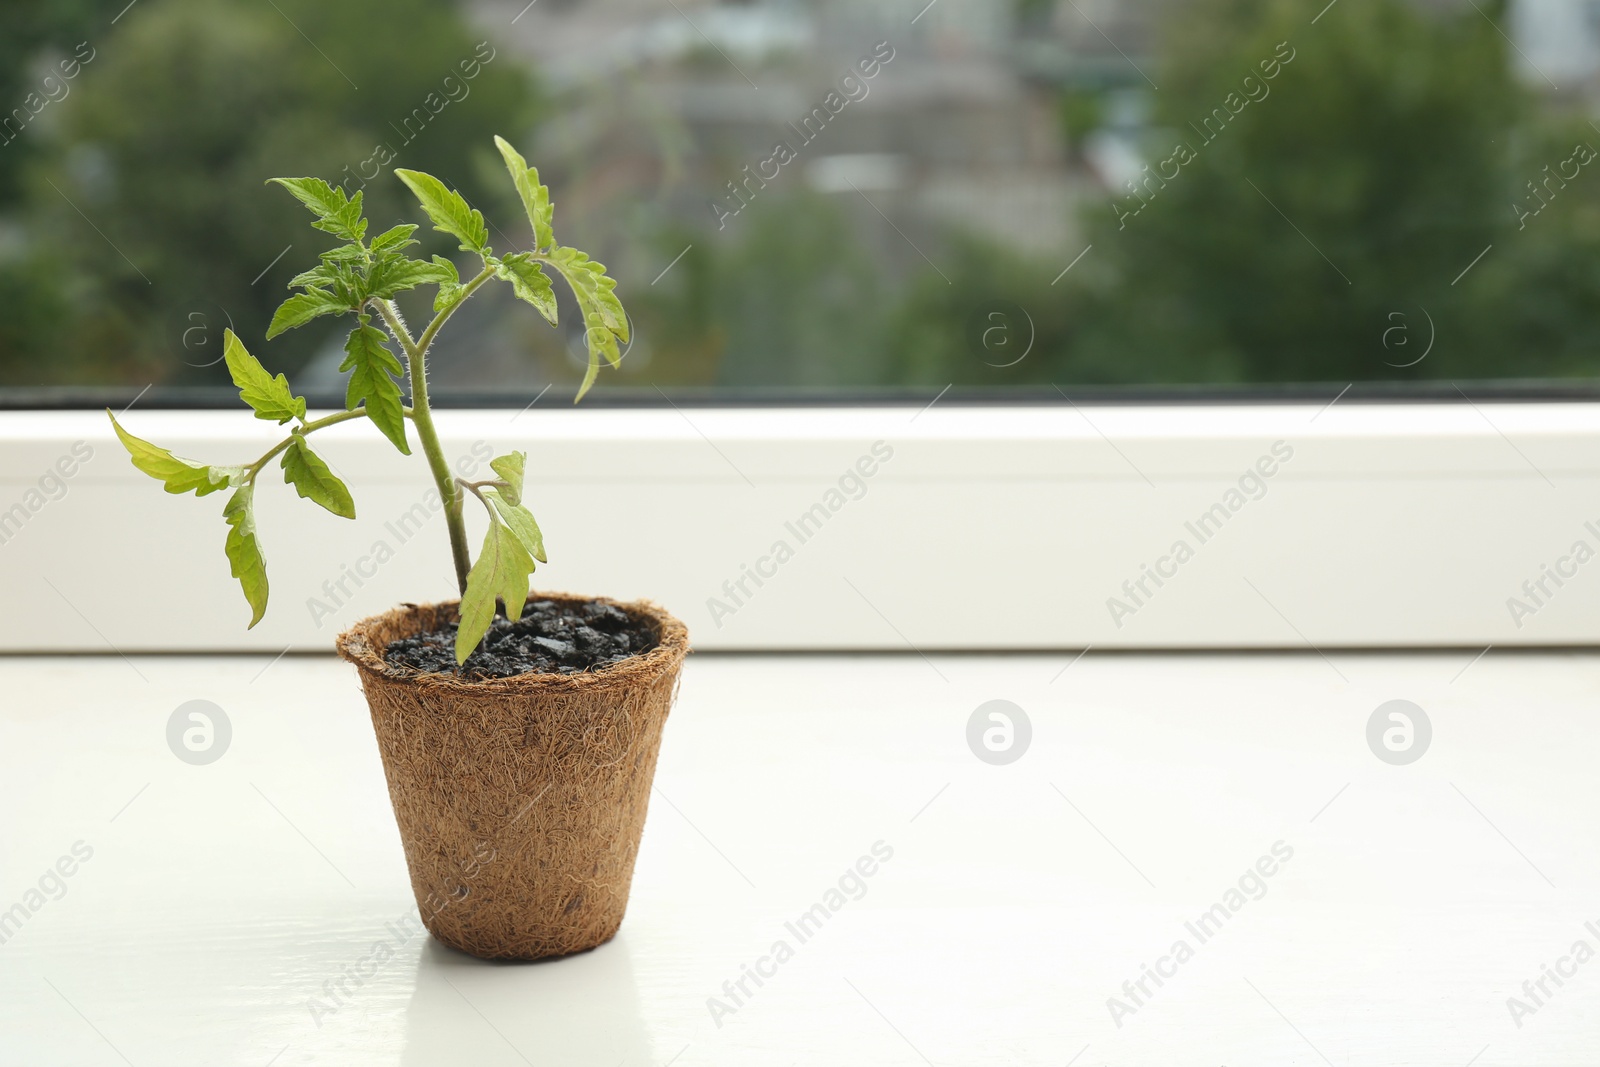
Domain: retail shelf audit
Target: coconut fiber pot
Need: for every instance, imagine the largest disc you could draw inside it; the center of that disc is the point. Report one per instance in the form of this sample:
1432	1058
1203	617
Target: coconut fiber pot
520	800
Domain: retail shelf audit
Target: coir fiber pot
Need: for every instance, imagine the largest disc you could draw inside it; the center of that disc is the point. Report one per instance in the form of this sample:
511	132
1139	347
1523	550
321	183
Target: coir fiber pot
520	800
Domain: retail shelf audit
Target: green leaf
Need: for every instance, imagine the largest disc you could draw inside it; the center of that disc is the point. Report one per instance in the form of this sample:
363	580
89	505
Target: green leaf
178	475
302	308
519	520
602	344
336	213
449	212
323	274
350	255
340	270
323	199
510	468
589	375
595	290
451	291
604	321
305	470
394	240
535	197
244	552
394	274
501	572
270	397
372	365
529	282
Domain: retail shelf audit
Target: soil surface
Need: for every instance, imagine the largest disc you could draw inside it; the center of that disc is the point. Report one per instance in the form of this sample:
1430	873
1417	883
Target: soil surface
552	637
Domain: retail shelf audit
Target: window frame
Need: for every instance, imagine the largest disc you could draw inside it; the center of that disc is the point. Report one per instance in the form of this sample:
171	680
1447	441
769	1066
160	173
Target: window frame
1397	524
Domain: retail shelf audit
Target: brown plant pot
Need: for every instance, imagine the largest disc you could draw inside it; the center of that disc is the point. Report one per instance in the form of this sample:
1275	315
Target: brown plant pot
520	800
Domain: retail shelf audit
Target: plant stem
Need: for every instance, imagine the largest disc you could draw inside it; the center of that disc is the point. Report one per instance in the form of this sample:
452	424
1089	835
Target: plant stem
442	478
422	415
426	340
309	427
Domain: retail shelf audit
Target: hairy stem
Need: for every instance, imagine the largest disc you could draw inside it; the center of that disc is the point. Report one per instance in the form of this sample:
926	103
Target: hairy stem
397	327
426	340
422	417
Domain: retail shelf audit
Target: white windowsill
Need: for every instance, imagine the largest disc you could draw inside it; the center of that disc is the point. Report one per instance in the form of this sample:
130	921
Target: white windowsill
219	899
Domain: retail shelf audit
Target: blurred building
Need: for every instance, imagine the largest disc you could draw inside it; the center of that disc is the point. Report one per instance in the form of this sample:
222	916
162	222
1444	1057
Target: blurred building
1558	44
951	132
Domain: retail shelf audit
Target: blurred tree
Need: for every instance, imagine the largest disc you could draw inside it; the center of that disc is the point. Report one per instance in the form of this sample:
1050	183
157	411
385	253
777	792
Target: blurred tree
996	321
1533	307
1315	229
1391	147
35	39
151	202
786	295
1357	183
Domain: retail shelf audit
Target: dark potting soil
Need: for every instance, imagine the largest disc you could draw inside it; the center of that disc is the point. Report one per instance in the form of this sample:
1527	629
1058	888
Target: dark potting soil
552	637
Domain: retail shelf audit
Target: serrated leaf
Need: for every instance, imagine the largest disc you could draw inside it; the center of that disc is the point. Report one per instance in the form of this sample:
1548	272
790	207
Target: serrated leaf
602	345
311	478
244	551
519	520
269	397
347	224
602	340
177	475
529	282
451	291
323	199
510	467
396	274
449	211
394	240
336	212
323	274
301	308
501	572
339	270
604	321
535	197
371	365
594	288
351	255
589	375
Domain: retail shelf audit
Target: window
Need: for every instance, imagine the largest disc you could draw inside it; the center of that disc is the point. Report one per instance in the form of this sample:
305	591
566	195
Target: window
1015	242
830	197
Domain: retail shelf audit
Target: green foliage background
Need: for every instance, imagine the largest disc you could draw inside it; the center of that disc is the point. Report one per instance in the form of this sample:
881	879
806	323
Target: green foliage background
165	142
1397	141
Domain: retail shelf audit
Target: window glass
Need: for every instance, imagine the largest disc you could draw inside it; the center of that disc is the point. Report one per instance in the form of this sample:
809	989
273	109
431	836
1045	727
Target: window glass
819	197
